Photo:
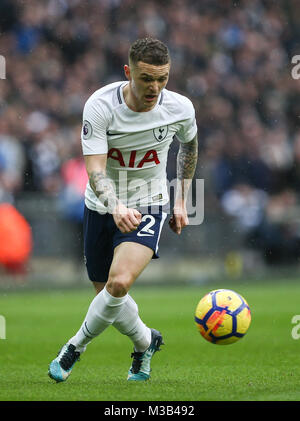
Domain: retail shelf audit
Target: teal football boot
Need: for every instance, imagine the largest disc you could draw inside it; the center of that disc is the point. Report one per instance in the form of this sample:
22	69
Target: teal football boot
60	368
140	368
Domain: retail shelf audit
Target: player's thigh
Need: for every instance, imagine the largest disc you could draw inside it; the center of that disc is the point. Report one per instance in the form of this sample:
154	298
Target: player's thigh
129	260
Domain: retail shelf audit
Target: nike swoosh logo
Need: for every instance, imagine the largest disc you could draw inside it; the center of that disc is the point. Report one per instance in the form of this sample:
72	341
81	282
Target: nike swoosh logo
113	134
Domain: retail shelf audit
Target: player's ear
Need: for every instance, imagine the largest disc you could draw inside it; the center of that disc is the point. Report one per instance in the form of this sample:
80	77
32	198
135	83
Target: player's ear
127	72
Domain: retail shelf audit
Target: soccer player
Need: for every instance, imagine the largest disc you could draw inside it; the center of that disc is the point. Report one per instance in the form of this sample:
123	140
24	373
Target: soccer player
128	127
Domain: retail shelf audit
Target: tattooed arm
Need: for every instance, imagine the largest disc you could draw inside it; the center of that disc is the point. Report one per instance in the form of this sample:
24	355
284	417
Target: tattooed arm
186	164
126	219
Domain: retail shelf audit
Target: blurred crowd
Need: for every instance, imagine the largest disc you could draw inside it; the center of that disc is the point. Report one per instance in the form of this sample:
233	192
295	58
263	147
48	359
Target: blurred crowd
231	58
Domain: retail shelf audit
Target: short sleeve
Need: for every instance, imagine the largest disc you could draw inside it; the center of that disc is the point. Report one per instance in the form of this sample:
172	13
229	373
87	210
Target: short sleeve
188	126
94	126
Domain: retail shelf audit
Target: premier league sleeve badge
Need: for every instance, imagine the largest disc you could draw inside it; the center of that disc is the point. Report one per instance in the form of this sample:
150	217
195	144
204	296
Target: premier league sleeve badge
87	130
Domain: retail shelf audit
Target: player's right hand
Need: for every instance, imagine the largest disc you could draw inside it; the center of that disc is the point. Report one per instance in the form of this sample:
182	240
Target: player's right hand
126	219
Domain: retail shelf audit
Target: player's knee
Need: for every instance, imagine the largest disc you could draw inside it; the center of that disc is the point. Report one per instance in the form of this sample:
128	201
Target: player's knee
118	285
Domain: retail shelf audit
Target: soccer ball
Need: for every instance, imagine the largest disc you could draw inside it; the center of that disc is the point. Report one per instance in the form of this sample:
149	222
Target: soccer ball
222	316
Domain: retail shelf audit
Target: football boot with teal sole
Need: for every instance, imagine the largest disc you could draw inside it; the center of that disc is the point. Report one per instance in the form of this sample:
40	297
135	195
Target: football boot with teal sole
60	368
140	368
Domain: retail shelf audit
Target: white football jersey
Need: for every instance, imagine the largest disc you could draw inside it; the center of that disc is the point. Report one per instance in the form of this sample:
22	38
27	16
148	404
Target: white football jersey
136	143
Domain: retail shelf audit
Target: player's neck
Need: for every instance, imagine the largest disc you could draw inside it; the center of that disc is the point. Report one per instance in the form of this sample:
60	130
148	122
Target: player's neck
132	102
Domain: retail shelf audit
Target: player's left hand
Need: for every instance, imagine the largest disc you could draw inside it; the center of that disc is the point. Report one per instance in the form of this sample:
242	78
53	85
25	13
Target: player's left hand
179	219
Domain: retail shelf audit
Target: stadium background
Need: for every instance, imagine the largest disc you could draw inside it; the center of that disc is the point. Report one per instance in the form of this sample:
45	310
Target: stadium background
231	58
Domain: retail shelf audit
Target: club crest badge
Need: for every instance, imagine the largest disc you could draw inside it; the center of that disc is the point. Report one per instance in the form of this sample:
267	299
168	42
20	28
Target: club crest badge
87	130
160	133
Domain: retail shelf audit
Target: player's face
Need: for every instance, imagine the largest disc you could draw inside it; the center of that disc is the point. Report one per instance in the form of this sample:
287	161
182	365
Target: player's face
146	83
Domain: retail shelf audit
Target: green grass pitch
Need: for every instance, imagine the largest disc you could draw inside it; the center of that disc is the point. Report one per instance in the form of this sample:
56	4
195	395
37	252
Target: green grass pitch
263	366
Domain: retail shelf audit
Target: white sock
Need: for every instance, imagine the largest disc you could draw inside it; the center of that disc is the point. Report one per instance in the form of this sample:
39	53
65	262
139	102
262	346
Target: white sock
129	323
102	312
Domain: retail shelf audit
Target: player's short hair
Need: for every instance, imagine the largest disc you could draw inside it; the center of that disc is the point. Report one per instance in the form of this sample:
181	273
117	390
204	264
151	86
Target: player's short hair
150	51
